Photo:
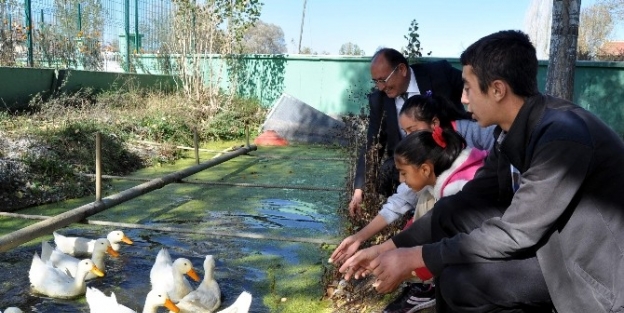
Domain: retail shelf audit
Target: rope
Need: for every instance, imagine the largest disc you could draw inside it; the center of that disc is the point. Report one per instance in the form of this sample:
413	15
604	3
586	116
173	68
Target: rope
183	230
224	183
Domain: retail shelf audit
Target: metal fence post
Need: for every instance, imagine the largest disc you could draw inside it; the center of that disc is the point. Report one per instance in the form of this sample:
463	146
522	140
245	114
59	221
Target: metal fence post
137	45
127	30
28	22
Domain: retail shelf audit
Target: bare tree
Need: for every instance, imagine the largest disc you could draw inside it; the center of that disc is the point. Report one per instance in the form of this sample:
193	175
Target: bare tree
616	7
264	38
563	44
307	50
350	48
596	26
537	23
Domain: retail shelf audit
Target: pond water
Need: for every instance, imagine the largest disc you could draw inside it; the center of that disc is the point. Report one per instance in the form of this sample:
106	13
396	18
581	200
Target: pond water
271	270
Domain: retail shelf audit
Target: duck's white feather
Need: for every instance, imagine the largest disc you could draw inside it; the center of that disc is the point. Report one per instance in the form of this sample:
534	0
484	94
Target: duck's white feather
81	246
53	282
99	303
169	276
241	305
65	261
207	297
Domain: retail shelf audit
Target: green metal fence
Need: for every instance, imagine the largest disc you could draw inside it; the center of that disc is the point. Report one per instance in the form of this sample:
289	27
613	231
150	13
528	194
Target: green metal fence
80	34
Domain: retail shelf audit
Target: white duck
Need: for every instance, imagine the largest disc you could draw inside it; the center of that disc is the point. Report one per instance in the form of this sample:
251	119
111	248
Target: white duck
99	303
55	283
80	246
241	305
13	310
169	276
207	297
64	261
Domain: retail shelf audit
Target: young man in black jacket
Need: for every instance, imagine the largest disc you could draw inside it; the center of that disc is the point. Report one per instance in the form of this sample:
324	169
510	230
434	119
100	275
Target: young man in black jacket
542	223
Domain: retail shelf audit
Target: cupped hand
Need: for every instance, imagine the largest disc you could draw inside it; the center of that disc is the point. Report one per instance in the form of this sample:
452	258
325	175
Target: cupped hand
345	250
359	265
395	266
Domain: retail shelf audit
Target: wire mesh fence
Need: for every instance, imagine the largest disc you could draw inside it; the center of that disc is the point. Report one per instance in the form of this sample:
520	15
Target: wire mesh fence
81	34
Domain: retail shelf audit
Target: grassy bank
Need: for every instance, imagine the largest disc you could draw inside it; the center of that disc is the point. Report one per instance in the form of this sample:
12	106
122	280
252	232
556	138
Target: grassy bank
43	148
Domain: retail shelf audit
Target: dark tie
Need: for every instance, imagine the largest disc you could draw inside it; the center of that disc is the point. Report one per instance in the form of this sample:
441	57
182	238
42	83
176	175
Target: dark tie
404	96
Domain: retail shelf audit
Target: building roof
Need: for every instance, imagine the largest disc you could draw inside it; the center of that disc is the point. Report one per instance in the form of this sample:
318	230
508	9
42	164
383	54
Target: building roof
612	48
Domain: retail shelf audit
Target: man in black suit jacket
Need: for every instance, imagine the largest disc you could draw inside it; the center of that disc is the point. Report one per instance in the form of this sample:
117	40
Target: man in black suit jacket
396	81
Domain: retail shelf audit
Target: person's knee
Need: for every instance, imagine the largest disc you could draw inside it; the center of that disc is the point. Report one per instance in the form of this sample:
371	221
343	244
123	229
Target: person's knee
455	287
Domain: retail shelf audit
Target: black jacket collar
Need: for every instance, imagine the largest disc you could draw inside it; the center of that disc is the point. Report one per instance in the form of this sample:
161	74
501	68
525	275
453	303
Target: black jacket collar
517	138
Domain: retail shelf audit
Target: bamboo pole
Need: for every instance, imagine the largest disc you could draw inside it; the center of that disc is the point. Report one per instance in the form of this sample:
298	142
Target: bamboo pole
98	167
196	143
47	226
185	230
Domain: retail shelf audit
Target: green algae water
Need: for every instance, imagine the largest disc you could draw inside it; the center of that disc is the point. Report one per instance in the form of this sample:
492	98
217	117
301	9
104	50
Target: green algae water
282	275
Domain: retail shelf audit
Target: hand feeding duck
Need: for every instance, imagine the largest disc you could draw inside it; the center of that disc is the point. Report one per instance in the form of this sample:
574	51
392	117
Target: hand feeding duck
169	276
56	283
64	261
80	246
99	303
241	305
207	297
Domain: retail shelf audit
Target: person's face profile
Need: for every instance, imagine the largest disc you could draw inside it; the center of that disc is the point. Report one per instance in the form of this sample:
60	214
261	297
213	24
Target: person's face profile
409	125
386	78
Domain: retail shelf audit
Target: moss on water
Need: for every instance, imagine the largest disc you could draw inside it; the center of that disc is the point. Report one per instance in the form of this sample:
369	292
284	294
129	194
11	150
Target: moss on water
271	270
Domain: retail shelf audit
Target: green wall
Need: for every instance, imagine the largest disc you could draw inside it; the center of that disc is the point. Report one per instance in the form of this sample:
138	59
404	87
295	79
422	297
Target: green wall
19	85
331	84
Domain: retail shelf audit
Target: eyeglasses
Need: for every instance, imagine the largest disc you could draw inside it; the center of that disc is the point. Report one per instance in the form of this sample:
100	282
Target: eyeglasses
385	81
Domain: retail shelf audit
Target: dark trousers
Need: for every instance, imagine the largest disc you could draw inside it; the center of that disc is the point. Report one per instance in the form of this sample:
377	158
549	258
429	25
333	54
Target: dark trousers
515	285
388	178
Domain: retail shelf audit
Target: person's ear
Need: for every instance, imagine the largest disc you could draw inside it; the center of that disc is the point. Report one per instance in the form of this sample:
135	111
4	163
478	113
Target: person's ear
426	170
499	89
403	69
435	122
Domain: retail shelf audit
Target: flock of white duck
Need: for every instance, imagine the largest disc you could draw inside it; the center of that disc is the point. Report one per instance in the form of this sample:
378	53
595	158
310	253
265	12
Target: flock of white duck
58	273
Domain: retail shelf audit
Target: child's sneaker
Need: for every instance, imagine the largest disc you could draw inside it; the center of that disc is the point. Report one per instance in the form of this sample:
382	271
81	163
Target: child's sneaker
415	297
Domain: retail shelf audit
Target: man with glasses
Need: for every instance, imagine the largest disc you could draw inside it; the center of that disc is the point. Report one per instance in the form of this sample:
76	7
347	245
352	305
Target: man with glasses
395	82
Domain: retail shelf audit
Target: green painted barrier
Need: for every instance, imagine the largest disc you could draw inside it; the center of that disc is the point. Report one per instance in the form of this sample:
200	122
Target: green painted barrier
335	85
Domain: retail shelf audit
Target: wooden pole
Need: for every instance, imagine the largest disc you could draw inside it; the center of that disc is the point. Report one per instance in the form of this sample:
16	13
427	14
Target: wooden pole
196	143
28	233
98	167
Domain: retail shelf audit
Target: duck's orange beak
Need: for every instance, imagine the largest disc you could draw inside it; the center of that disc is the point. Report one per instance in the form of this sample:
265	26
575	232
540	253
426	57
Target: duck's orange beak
127	240
172	307
95	270
112	252
192	274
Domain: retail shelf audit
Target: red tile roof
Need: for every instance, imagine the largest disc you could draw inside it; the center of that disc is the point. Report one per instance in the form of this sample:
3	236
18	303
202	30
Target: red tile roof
612	48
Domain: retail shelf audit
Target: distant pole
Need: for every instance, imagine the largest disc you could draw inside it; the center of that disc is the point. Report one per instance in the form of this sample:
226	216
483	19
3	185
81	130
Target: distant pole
79	20
302	20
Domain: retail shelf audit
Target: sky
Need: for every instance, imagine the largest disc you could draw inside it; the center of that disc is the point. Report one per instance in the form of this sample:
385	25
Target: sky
446	27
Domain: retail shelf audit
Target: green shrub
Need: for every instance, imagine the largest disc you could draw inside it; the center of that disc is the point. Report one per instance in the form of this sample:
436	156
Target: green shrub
229	123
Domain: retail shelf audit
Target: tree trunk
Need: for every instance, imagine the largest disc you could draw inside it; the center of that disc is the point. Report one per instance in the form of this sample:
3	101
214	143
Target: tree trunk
563	42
